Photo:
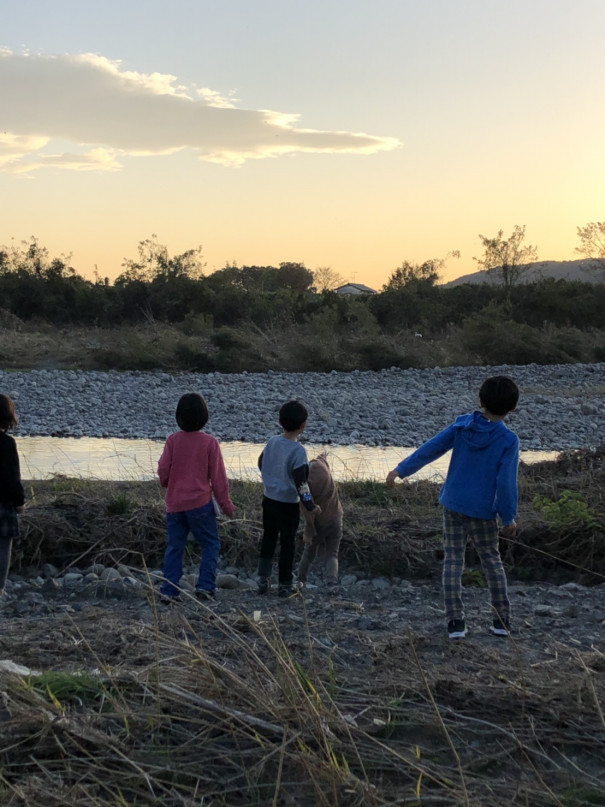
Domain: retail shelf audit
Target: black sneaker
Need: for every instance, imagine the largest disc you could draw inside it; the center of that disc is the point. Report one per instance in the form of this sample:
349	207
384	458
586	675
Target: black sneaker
263	585
456	629
286	590
204	594
168	599
500	628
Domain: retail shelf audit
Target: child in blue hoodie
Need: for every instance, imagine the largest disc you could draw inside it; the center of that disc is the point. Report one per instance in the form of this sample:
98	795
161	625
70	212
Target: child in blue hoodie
480	488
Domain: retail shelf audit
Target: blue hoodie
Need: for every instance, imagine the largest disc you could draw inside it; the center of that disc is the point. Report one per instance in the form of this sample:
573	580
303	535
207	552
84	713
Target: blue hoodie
481	480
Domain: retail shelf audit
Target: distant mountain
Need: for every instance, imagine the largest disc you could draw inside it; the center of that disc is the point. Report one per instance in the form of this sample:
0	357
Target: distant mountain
559	270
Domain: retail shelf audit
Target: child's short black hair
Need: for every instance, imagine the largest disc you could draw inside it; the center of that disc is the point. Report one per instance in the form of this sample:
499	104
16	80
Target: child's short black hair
8	418
192	412
499	395
292	415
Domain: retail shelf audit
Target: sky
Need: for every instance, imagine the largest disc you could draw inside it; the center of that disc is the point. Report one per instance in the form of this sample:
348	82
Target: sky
353	134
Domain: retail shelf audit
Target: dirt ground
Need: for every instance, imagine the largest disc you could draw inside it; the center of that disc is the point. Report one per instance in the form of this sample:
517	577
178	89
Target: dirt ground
504	721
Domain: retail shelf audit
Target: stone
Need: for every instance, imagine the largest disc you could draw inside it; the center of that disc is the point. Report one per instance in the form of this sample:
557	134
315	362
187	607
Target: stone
50	586
72	578
228	581
48	570
108	574
545	610
380	583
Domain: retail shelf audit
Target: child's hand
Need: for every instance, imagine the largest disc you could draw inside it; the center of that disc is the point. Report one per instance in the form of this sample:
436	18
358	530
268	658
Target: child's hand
316	511
391	477
509	531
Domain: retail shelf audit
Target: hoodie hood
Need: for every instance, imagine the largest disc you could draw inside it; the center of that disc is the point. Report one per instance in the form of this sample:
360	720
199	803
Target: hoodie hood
477	431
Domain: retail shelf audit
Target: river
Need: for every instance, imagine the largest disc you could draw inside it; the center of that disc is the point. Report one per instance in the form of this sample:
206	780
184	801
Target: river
136	460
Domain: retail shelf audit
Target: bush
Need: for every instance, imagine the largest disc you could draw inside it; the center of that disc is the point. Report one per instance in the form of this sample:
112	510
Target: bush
191	358
379	355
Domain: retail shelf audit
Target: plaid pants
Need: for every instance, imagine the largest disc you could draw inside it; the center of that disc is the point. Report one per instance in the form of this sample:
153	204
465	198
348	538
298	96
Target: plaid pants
457	529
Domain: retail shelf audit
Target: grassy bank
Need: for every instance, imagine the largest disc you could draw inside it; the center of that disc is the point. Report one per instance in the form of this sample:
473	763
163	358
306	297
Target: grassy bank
317	345
387	532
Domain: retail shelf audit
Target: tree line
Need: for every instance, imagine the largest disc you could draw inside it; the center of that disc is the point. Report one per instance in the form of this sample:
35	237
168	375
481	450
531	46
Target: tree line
504	321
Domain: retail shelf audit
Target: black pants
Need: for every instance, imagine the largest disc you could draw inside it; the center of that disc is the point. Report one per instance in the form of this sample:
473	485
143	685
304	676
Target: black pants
5	559
280	522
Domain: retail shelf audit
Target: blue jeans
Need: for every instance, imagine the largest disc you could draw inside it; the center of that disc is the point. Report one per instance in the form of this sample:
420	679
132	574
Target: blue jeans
201	522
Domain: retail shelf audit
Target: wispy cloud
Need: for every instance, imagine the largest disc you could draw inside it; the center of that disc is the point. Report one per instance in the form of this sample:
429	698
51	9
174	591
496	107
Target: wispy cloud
106	114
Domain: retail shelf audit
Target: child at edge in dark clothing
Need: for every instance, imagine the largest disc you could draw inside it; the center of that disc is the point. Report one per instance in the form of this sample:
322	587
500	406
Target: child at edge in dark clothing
285	469
11	489
192	469
480	487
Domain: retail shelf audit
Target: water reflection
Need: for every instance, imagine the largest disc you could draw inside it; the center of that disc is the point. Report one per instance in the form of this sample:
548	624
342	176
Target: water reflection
136	460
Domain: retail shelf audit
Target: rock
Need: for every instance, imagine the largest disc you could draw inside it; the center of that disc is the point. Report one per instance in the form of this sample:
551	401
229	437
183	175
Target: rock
572	587
545	610
50	586
365	623
132	582
380	583
568	412
108	574
348	580
229	581
113	588
72	578
48	570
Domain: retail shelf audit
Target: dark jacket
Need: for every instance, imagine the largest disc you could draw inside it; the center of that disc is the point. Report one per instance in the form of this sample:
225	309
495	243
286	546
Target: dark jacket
11	489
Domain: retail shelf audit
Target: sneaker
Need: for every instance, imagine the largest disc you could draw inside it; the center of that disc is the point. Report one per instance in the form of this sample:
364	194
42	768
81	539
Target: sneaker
204	594
286	590
169	599
263	585
456	629
500	628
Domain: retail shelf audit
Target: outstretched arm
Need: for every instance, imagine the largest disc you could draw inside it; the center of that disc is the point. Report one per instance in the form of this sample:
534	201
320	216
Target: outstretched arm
429	452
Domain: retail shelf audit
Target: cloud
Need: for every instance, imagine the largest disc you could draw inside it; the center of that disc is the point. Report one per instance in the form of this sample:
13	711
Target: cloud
106	114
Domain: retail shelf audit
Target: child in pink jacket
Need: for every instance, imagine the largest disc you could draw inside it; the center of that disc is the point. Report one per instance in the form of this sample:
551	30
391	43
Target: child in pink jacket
192	469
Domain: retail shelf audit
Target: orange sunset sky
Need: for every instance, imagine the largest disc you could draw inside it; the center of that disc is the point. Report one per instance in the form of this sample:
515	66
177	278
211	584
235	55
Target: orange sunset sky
338	133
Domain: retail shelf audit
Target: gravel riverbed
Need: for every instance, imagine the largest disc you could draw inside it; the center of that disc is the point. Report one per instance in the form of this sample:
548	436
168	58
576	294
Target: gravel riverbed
561	406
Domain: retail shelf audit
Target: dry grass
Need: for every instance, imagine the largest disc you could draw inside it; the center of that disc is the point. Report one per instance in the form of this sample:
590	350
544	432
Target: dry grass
195	709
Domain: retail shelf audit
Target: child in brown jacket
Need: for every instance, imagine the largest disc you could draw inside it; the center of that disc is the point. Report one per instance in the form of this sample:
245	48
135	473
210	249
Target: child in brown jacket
324	531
